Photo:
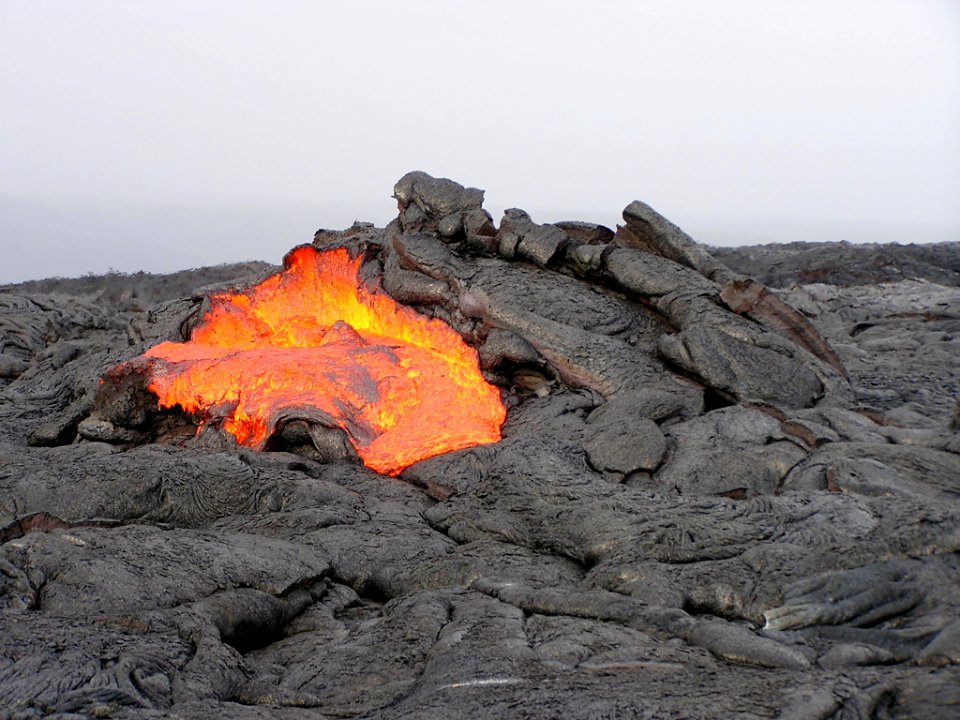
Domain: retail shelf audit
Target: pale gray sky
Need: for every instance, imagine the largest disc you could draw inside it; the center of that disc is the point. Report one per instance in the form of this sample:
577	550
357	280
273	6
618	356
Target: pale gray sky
169	134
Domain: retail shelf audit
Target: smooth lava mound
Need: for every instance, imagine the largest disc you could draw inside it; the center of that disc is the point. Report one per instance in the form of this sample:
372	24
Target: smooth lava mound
403	387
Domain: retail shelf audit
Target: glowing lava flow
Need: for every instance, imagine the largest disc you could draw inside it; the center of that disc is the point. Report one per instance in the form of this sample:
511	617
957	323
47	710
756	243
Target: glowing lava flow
404	387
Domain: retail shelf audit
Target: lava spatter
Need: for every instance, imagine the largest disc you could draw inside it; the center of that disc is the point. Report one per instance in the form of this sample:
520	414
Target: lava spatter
402	386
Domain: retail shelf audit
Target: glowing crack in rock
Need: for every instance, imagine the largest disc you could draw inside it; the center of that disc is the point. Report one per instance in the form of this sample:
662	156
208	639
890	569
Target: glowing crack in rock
403	387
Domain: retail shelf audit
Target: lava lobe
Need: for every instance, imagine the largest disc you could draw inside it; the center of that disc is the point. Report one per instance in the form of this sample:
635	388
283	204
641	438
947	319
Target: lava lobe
402	386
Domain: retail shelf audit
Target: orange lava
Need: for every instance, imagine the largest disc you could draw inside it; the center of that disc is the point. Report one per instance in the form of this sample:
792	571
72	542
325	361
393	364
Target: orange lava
404	387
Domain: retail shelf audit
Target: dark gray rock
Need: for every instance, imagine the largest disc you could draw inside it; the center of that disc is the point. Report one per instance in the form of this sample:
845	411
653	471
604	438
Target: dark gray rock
738	452
543	245
742	370
586	232
440	205
502	346
625	449
648	230
844	264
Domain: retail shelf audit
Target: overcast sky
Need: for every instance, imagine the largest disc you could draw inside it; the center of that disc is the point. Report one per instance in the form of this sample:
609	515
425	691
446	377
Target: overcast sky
168	134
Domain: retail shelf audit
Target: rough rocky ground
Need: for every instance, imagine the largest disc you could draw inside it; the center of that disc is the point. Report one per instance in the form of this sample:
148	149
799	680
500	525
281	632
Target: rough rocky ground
706	503
844	264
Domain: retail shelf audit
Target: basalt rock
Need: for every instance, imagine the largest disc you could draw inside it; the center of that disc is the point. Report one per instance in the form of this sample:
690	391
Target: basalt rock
712	498
844	264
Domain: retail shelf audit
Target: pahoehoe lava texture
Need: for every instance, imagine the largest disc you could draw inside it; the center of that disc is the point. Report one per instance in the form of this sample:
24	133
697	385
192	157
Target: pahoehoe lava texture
713	498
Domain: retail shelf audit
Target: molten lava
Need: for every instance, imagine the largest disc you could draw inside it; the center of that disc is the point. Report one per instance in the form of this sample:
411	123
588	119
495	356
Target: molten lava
404	387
